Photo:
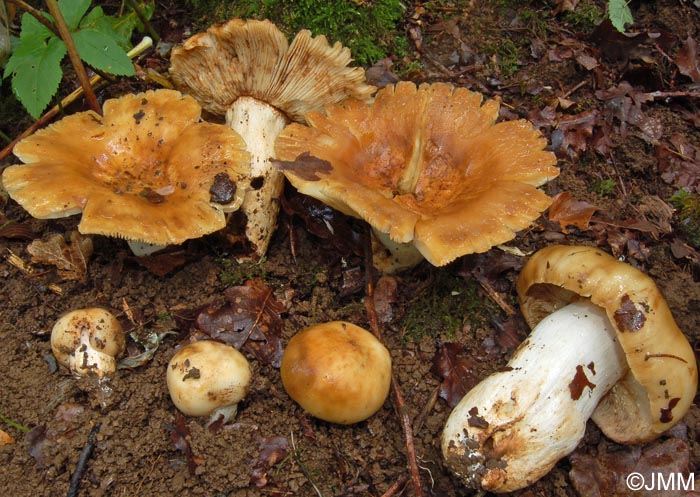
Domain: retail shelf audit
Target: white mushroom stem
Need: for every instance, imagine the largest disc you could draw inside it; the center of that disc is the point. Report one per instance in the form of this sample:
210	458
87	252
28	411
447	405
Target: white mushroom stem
88	359
390	256
514	426
259	124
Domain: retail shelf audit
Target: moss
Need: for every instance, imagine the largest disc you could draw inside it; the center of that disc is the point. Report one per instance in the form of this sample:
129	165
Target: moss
604	187
444	308
368	28
688	205
235	274
585	17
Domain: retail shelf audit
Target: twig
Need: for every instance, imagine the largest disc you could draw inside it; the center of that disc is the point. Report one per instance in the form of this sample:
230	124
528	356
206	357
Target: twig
303	469
82	461
671	94
36	14
396	390
75	59
145	44
395	487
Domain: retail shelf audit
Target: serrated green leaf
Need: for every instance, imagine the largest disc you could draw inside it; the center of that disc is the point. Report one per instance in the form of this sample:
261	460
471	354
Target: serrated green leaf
31	28
36	72
73	11
98	21
620	14
102	52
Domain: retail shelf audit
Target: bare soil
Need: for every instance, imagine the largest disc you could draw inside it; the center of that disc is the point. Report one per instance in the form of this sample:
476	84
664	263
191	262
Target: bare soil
143	446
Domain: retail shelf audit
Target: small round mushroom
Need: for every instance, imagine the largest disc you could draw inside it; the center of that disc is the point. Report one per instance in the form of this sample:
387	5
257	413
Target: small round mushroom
426	167
247	71
88	341
604	345
143	172
337	372
208	378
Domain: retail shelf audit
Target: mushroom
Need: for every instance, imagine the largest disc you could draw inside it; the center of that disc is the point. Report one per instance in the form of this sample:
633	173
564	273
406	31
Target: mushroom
88	341
148	171
426	167
337	372
208	378
247	71
604	345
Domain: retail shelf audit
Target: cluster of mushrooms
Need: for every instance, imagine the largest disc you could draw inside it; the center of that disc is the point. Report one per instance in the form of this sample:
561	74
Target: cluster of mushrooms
433	174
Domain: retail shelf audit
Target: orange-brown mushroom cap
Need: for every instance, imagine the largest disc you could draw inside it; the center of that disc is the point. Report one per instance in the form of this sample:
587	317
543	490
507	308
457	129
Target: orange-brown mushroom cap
662	379
425	165
253	58
142	172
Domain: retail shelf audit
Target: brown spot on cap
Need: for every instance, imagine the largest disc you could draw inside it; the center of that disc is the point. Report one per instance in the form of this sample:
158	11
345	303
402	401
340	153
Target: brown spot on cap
628	317
667	413
223	189
475	420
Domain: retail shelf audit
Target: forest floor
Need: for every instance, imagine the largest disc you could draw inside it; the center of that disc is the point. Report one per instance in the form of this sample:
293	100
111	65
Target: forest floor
622	114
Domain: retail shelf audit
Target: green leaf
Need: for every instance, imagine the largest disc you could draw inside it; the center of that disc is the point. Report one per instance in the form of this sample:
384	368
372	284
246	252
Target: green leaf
31	28
73	11
102	52
36	72
98	21
126	24
620	14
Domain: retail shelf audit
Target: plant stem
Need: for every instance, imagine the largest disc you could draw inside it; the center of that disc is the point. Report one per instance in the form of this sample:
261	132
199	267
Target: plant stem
145	44
37	14
13	424
73	55
142	17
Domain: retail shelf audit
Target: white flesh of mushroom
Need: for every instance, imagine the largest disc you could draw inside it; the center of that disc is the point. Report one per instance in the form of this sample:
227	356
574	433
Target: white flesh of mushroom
390	256
259	124
514	426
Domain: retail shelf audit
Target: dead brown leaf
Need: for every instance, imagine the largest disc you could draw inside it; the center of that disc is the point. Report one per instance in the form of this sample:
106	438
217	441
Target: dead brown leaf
70	259
688	59
606	472
272	451
6	439
452	364
306	166
385	292
250	319
180	436
567	211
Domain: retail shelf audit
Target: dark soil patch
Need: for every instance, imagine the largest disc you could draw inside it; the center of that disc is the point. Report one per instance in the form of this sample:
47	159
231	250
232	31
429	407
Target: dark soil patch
136	452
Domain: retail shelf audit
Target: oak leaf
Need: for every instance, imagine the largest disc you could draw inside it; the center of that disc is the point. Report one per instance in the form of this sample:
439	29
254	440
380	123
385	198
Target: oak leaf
71	260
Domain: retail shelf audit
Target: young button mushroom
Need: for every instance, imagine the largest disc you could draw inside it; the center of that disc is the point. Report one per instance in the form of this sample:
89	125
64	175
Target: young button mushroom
604	345
144	171
208	378
337	372
247	71
88	341
426	167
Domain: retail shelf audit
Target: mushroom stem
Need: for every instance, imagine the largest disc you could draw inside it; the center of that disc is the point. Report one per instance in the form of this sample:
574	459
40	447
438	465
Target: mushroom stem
88	358
389	256
259	124
514	426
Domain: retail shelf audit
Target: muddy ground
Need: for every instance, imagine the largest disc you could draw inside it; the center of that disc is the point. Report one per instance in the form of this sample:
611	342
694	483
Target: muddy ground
621	113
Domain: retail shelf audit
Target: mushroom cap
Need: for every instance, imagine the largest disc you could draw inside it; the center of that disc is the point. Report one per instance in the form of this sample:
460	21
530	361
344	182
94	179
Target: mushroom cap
142	172
425	165
662	379
206	375
253	58
88	340
337	372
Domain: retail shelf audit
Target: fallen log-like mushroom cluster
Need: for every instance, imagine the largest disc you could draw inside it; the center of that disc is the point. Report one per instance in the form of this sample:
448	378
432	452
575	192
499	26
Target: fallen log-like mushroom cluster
434	175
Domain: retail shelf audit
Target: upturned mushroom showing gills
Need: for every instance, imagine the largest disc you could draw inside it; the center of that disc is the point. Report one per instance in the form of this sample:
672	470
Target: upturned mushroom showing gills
337	372
249	72
208	378
148	170
88	341
426	167
604	345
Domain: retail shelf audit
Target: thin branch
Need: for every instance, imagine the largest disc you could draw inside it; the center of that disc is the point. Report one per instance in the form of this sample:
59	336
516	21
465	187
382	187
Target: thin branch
85	456
395	388
73	55
145	44
37	14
